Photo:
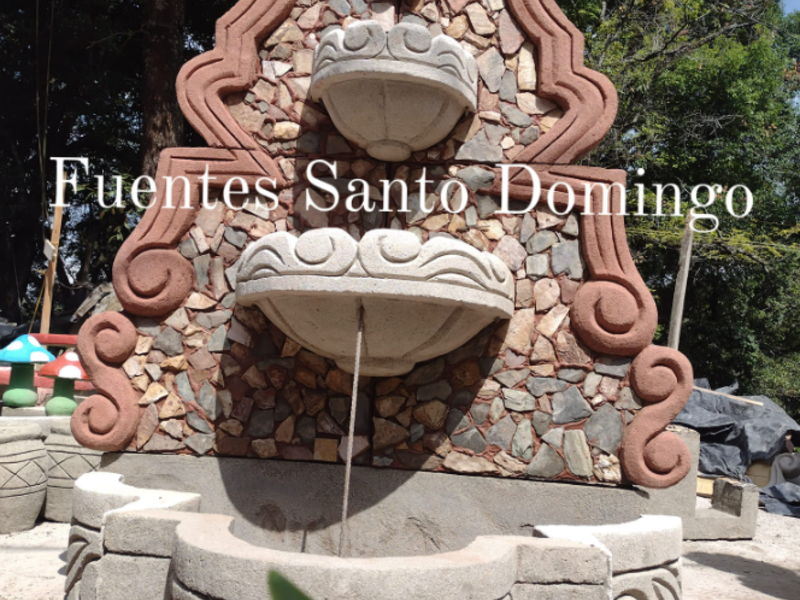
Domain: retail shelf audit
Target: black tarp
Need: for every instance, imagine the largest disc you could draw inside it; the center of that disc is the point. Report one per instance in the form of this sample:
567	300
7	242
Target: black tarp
733	434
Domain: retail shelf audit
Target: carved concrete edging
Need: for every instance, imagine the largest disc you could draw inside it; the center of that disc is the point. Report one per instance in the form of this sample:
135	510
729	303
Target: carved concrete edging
99	498
150	540
420	301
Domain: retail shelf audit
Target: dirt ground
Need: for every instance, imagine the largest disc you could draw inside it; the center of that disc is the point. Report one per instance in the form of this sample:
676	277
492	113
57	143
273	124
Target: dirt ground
32	564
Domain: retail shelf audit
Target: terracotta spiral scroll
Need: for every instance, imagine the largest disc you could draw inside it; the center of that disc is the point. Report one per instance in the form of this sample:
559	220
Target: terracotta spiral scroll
651	456
107	420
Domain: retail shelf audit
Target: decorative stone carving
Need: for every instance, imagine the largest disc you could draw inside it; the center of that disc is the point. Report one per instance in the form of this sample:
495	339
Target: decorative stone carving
393	93
420	300
23	475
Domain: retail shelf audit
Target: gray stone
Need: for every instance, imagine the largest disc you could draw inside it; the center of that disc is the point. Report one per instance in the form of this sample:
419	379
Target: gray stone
590	385
615	366
188	248
310	142
440	390
197	423
496	410
479	412
306	429
148	326
522	443
340	6
475	177
541	241
572	375
628	400
541	421
201	443
519	401
571	227
212	320
417	430
480	149
530	135
515	116
489	366
554	437
495	133
512	377
570	406
283	410
153	370
228	300
426	373
471	439
456	421
218	342
604	429
235	237
576	451
471	216
492	68
208	401
185	390
537	266
508	87
170	342
539	386
528	229
566	258
462	398
546	464
501	433
201	264
487	205
262	423
359	6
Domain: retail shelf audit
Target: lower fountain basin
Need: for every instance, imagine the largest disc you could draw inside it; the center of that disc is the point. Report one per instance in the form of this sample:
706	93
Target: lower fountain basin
419	300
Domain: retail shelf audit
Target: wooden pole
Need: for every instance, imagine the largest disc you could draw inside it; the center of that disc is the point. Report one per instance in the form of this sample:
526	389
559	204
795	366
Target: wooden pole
50	275
684	262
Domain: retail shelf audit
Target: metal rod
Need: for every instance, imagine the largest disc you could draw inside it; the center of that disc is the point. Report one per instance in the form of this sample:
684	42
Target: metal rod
351	433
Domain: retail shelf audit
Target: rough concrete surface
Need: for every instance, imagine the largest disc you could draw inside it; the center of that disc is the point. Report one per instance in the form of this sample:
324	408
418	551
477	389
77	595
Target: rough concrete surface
767	567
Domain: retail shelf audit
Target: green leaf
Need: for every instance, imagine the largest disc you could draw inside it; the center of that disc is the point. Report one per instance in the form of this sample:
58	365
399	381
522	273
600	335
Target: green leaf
281	588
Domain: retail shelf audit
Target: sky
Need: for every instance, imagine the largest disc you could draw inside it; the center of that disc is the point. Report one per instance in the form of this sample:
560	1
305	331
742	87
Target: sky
791	5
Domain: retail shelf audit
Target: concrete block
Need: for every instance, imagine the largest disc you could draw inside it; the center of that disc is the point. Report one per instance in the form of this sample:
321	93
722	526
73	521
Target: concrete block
563	561
648	542
96	494
146	532
526	591
733	514
120	577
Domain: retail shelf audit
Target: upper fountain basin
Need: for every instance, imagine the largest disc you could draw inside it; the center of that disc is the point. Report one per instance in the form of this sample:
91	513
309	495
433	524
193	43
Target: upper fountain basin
419	300
393	93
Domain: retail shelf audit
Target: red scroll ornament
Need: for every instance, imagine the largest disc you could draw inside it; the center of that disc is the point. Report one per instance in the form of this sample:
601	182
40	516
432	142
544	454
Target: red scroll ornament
107	420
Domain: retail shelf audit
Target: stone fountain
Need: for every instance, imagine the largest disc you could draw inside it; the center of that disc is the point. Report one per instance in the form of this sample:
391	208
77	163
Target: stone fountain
508	380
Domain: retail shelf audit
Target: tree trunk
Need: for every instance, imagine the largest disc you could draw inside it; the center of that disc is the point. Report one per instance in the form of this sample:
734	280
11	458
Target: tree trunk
163	58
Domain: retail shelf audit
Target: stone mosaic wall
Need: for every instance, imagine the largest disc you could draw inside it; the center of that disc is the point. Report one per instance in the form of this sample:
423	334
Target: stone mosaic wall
524	398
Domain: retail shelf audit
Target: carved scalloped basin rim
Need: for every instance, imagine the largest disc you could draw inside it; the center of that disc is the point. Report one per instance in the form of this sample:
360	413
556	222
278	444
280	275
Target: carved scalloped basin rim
419	300
393	92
